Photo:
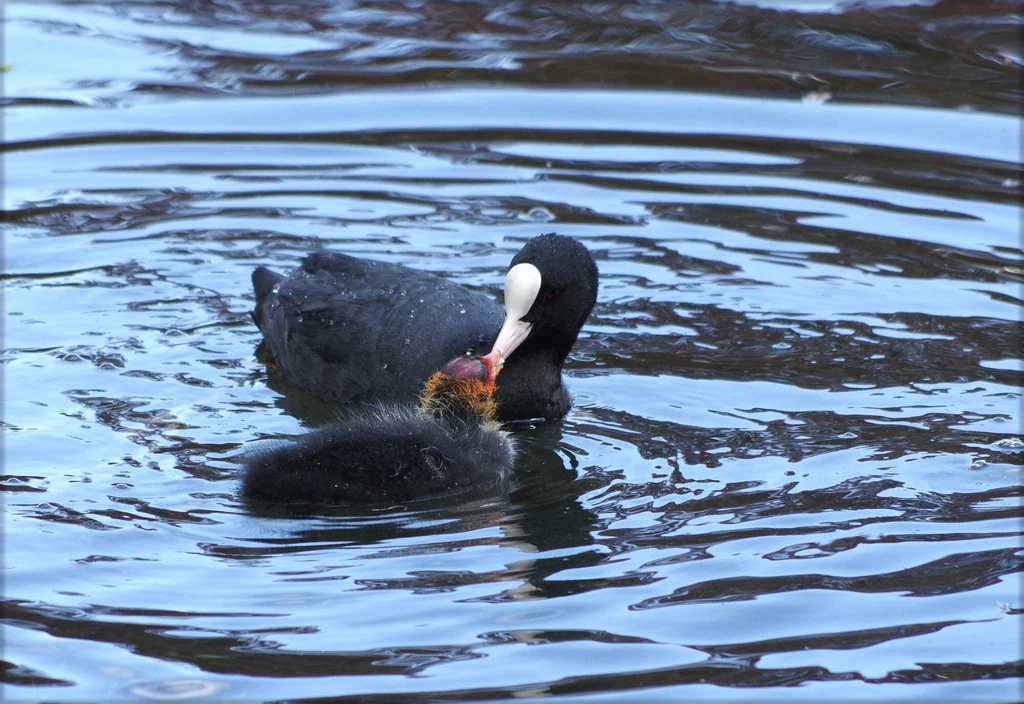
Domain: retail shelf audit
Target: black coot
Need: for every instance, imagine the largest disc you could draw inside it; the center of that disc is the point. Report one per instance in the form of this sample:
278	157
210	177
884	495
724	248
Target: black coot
449	443
347	329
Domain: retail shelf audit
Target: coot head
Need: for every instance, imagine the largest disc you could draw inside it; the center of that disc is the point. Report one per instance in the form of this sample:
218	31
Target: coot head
463	387
550	289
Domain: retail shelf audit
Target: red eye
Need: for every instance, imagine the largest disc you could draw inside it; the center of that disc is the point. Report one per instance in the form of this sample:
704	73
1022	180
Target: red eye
552	294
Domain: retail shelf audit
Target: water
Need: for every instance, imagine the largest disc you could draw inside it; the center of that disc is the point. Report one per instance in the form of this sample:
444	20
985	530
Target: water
793	469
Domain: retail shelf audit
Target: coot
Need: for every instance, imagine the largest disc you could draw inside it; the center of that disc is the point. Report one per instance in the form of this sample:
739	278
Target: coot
347	329
449	443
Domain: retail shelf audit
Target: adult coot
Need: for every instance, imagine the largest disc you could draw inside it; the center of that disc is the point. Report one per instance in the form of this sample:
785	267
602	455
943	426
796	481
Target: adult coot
450	442
347	329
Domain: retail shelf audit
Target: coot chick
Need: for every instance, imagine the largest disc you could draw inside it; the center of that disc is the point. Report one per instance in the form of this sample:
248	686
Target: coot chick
347	329
449	443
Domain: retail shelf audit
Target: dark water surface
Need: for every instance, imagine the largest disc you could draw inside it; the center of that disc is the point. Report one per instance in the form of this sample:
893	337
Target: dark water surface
793	469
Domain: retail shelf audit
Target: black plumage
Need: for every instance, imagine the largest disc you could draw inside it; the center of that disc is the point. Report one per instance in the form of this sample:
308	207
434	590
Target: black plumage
448	443
348	329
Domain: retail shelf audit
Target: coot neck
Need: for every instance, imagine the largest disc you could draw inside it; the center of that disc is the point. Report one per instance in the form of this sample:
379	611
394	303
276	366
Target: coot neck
543	353
530	385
